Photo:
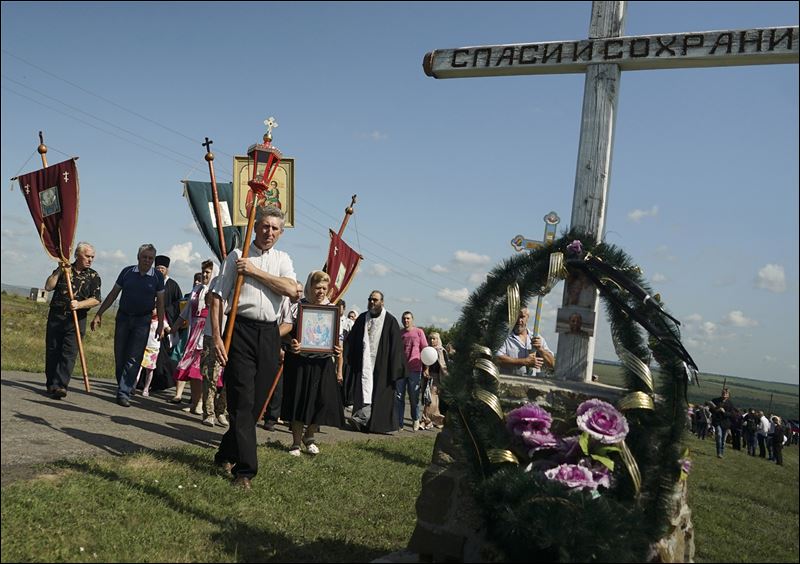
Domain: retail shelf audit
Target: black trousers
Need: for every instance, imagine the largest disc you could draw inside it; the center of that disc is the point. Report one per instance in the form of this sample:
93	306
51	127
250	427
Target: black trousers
252	366
61	347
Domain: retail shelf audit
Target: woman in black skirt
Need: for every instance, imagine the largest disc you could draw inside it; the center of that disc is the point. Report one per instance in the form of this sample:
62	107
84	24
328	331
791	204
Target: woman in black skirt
311	394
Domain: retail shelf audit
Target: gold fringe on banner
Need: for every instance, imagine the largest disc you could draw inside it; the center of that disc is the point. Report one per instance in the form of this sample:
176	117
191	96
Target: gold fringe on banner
501	456
636	400
513	303
490	400
630	464
488	367
635	364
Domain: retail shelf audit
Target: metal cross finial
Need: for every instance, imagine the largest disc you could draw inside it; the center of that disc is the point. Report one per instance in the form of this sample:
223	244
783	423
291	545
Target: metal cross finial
271	124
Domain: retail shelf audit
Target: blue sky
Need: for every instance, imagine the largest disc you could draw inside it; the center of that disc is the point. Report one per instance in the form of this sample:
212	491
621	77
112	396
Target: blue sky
704	180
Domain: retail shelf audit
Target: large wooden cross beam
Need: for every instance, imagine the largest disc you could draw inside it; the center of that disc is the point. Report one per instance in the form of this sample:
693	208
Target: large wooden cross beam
602	57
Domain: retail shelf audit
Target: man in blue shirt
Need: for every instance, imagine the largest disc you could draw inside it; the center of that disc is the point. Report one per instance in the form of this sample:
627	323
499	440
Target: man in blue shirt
523	353
142	287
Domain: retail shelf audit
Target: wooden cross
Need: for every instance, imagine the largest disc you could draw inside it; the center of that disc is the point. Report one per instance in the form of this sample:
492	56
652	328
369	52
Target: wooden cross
602	57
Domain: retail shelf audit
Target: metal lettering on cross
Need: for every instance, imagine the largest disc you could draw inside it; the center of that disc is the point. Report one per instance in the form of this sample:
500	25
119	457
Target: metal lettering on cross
602	57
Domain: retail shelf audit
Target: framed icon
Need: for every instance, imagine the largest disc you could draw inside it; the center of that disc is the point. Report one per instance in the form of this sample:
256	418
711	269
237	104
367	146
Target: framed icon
279	194
317	327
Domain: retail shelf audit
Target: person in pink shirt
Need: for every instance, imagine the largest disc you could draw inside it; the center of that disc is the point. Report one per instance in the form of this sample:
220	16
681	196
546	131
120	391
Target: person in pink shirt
413	342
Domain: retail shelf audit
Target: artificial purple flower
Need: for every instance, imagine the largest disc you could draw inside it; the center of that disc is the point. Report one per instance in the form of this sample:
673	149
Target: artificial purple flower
686	465
575	247
574	476
532	424
602	421
601	475
569	449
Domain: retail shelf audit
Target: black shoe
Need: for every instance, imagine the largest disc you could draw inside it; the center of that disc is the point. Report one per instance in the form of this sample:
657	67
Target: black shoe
269	425
124	402
59	393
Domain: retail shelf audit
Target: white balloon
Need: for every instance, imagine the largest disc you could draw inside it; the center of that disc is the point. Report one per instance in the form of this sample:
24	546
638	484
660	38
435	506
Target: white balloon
429	356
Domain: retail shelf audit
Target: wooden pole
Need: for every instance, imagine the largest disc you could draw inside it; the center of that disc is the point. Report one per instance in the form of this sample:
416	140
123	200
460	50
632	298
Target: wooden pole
271	392
215	195
592	176
251	219
348	211
43	152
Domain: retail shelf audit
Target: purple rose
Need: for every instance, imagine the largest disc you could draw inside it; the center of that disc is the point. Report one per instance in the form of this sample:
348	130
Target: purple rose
532	424
602	421
601	475
574	476
575	247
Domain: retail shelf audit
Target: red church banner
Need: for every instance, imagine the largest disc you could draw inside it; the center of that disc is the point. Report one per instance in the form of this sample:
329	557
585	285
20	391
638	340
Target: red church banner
341	266
52	195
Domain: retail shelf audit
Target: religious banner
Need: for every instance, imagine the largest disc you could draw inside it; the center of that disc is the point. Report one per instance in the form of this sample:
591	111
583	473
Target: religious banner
341	266
52	195
279	193
199	196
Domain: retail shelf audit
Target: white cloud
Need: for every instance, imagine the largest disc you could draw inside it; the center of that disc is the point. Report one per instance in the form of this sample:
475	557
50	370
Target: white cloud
441	321
456	296
772	278
407	300
693	318
637	214
374	135
191	228
182	253
708	328
477	278
663	252
768	358
379	269
439	269
658	277
739	319
114	257
471	259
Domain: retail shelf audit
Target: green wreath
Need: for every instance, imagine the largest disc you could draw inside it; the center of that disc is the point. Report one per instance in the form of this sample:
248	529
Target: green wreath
528	516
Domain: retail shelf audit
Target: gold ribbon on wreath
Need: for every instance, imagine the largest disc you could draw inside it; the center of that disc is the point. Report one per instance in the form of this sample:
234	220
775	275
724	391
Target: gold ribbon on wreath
501	456
636	400
630	464
512	292
488	367
490	400
635	365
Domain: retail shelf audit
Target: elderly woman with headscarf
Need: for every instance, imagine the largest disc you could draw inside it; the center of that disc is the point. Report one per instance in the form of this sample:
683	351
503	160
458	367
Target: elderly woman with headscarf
311	395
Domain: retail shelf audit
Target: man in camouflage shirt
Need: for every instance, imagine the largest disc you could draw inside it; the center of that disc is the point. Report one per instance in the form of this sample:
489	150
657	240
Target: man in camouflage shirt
61	341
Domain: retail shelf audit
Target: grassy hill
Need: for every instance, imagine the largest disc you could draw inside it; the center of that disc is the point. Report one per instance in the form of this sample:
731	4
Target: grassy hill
24	321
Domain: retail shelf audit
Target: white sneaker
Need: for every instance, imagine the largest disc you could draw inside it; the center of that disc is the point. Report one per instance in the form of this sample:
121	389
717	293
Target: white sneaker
312	449
209	421
222	420
294	451
415	426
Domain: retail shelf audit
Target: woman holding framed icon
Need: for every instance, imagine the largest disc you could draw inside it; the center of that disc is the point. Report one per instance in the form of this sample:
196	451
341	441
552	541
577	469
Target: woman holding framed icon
313	367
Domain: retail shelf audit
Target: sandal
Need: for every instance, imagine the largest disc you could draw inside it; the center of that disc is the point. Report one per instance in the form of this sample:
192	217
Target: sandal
174	400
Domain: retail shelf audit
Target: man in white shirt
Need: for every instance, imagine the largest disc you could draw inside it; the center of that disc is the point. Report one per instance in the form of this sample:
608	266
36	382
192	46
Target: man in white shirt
251	365
523	353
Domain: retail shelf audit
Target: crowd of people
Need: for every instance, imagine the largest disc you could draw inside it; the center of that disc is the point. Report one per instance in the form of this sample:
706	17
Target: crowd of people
749	429
163	338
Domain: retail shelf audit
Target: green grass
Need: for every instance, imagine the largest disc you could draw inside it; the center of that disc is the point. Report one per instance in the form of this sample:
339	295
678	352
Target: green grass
744	509
24	325
354	502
